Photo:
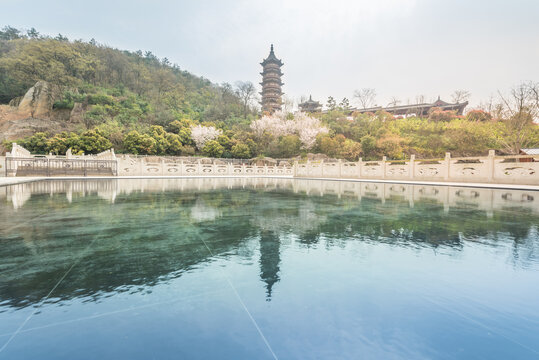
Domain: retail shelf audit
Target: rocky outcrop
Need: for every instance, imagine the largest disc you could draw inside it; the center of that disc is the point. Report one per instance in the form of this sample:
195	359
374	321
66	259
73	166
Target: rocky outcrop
39	100
17	129
77	113
33	112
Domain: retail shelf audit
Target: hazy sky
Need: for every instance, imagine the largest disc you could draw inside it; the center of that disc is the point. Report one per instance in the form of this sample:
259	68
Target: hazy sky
401	48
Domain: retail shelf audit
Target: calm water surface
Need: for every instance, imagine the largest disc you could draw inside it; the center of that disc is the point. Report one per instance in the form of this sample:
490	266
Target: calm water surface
267	268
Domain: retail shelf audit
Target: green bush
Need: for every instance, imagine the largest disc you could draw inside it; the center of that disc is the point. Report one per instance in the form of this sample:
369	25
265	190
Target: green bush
213	149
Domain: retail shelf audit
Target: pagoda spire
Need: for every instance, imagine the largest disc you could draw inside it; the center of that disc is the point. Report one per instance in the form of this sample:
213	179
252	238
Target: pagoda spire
271	83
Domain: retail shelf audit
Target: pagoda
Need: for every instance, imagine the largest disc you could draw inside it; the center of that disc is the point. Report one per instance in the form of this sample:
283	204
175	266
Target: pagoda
310	105
271	83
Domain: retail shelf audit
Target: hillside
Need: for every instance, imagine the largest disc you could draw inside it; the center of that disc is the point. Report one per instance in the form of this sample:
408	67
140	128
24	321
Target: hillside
102	83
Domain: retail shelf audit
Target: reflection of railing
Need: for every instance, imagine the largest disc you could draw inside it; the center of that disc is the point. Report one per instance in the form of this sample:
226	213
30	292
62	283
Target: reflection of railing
18	166
489	169
488	200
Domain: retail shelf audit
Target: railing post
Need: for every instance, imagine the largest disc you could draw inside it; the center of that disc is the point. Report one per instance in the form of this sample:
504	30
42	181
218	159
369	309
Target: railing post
48	167
384	159
340	169
412	166
359	165
295	170
447	163
322	168
491	165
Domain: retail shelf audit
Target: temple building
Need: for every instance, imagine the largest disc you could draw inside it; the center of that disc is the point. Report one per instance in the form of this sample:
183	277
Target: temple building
310	105
417	109
271	83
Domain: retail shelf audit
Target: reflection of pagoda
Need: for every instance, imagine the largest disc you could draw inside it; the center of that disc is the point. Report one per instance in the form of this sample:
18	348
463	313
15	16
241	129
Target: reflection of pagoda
310	105
271	83
270	257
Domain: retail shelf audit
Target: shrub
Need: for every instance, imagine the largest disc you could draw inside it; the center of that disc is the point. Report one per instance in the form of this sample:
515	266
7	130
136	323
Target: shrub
213	149
478	115
437	114
100	99
241	151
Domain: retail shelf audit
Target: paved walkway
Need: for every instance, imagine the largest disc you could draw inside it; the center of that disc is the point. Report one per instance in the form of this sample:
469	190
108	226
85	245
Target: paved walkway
18	180
4	181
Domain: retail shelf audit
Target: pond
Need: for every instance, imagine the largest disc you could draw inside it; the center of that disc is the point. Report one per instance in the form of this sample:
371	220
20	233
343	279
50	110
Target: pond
267	268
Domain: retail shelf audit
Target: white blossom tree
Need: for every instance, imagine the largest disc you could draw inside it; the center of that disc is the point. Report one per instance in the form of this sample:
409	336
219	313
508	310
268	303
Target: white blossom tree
307	128
202	134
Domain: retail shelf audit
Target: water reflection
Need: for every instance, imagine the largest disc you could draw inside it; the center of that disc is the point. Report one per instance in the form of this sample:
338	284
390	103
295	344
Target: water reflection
143	232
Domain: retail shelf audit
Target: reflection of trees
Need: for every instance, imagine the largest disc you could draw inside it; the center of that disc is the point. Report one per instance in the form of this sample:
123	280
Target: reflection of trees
148	237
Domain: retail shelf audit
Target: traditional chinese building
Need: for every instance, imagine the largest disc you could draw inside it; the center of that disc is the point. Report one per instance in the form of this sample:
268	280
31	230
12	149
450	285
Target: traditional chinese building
271	83
417	109
310	105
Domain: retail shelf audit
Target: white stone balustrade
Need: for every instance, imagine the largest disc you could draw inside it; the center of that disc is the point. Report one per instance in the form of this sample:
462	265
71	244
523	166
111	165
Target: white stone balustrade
516	169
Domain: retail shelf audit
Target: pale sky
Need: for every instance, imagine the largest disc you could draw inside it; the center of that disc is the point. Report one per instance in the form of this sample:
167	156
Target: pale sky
401	48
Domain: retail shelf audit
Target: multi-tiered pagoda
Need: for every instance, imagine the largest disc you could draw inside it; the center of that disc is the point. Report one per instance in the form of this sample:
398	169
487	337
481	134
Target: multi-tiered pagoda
271	83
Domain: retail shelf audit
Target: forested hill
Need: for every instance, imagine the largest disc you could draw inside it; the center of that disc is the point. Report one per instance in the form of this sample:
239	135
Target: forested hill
132	87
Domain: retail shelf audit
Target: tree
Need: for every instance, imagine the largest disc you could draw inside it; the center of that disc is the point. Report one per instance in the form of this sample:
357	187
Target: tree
289	146
460	96
202	134
344	104
136	143
520	110
331	104
10	33
368	147
366	97
241	151
246	91
93	142
32	33
213	149
394	101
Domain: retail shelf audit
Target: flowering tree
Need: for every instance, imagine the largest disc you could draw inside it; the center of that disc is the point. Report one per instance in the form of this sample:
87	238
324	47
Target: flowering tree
308	128
202	134
305	127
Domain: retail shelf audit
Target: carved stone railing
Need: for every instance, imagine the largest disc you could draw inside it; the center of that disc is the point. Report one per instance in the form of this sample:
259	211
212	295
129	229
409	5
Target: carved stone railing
20	162
516	169
168	166
491	169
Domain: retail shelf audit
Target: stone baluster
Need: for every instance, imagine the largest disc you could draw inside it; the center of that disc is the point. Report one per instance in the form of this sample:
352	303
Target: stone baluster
447	164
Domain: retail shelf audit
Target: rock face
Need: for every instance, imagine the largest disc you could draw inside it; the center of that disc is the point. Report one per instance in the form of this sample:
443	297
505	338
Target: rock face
39	99
16	129
33	112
